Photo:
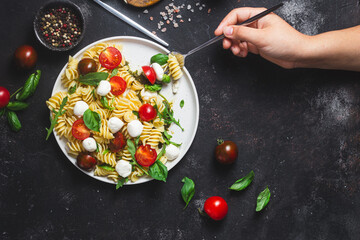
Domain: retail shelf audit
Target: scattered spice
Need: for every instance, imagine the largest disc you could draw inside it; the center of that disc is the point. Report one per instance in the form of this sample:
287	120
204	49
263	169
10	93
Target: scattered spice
60	27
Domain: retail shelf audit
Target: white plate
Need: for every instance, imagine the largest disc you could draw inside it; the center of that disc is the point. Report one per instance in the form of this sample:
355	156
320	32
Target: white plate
138	51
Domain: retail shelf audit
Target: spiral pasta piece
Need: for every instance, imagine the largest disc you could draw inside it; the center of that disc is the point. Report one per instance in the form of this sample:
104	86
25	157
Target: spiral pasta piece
174	67
113	175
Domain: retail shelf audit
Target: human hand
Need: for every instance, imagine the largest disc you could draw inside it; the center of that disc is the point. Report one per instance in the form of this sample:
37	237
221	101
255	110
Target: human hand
271	37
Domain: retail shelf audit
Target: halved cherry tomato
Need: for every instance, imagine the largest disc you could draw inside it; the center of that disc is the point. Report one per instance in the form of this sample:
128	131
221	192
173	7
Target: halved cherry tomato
147	112
110	58
79	130
117	143
145	155
216	207
85	161
118	85
149	73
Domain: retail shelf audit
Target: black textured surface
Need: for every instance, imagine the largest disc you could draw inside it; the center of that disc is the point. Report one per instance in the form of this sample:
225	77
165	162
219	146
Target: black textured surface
297	129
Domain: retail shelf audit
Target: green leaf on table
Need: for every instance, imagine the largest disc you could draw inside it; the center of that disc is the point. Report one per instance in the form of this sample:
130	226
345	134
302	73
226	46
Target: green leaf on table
263	199
29	87
243	182
92	120
159	58
13	121
188	190
93	78
17	106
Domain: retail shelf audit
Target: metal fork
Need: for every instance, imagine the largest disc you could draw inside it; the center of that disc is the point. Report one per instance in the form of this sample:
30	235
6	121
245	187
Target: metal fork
181	57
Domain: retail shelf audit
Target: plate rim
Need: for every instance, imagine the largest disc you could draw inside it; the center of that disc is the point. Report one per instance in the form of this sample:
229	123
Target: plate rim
197	106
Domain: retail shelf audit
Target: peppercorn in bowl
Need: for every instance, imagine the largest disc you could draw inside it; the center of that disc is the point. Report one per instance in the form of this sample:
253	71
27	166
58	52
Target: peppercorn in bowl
59	25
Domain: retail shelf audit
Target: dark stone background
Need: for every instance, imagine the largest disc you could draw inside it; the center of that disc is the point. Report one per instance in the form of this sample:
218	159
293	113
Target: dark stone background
297	129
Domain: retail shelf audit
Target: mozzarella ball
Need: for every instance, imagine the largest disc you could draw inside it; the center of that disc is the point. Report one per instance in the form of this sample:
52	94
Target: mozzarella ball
80	107
135	128
89	144
123	168
158	70
172	152
115	124
104	88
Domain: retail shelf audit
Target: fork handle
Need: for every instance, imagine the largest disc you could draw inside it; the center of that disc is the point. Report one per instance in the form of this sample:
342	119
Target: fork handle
246	22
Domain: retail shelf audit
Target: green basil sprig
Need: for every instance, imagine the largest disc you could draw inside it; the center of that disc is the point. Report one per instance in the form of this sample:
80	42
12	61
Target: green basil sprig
105	103
57	115
167	137
17	106
168	114
13	121
159	58
93	78
29	86
243	182
166	78
263	199
92	120
121	182
188	190
153	88
106	167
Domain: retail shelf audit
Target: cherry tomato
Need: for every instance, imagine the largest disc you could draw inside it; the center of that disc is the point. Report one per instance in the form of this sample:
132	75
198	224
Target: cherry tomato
4	97
147	112
149	73
145	155
110	58
79	130
216	207
117	143
85	161
226	152
25	56
87	65
118	85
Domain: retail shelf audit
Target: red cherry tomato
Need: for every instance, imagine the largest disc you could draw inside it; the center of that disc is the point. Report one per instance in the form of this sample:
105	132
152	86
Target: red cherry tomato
118	85
110	58
147	112
87	65
216	207
149	73
4	97
25	56
79	130
117	143
145	155
226	152
85	161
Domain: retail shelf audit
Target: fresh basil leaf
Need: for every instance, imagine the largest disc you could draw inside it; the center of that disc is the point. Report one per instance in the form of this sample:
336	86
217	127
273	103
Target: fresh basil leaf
166	78
243	182
136	113
182	103
13	121
106	167
105	103
93	78
105	151
153	88
114	72
158	171
29	86
188	190
92	120
159	58
17	106
93	94
121	182
263	199
56	116
72	89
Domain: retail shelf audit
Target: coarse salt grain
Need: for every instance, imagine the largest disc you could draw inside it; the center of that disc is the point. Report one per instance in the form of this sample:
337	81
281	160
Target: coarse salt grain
189	19
178	16
188	7
145	11
163	30
176	25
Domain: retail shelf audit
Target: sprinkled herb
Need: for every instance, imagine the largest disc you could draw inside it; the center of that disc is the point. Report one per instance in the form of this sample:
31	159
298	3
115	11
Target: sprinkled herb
182	103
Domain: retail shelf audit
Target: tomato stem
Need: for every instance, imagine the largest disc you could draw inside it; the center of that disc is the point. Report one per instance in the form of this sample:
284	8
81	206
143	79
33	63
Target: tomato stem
220	141
202	213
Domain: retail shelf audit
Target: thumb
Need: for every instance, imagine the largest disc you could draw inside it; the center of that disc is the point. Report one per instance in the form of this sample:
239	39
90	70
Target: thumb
242	33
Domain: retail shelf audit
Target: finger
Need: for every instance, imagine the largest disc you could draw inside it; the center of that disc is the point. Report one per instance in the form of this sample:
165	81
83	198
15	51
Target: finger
243	49
237	16
235	49
227	43
243	33
252	48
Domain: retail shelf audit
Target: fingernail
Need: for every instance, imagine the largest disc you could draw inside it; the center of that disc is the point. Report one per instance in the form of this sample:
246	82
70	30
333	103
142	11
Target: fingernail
228	31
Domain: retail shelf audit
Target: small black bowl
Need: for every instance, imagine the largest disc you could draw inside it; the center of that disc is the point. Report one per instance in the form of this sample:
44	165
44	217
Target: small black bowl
59	5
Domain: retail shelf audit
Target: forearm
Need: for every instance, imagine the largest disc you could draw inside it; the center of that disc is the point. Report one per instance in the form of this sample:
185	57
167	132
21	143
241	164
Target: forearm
333	50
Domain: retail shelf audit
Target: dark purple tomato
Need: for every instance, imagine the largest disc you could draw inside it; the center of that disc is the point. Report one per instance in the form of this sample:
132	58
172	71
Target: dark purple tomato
25	56
226	152
85	161
87	65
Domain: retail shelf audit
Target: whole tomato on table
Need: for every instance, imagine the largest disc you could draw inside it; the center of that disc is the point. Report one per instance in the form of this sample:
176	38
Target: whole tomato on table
25	56
4	97
226	152
216	207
